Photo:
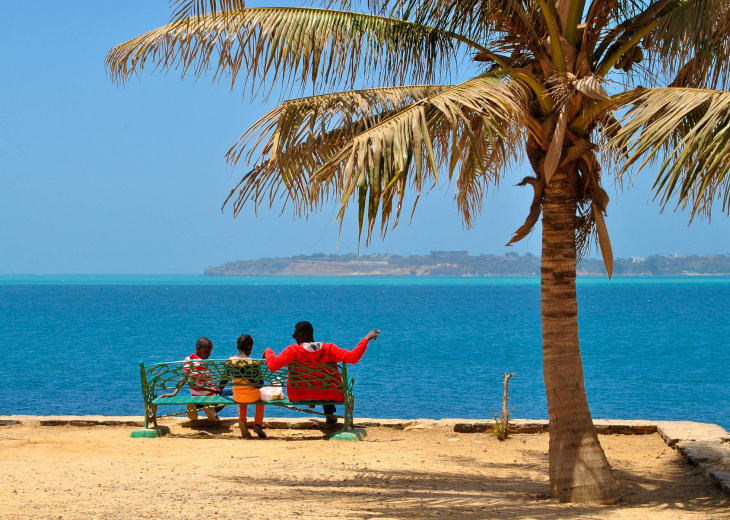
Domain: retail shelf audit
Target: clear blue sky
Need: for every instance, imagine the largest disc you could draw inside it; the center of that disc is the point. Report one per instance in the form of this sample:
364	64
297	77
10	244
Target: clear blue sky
98	178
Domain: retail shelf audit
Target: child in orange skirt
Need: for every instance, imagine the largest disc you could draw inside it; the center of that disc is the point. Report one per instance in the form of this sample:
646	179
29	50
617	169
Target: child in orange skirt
248	394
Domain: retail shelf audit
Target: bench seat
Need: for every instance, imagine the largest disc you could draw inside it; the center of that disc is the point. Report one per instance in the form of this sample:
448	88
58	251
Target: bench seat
218	400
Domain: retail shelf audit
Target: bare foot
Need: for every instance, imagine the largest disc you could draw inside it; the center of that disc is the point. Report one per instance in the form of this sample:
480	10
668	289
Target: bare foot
244	430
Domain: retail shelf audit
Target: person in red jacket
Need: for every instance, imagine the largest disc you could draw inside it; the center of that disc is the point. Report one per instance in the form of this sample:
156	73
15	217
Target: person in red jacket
308	352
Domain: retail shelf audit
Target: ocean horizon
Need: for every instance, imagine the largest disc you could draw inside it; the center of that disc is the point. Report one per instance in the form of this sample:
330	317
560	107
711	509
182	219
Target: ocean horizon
654	347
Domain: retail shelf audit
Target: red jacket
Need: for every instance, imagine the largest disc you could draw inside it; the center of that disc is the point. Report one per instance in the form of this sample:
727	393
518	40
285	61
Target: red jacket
309	354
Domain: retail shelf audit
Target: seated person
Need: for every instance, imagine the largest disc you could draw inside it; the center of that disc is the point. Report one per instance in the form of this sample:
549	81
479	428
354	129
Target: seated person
197	376
309	353
247	394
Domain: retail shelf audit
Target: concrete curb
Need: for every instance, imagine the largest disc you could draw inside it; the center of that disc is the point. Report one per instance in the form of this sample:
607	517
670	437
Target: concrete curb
603	426
706	446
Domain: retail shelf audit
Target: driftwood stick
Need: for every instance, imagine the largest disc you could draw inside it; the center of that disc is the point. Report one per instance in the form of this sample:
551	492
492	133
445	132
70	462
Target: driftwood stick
505	400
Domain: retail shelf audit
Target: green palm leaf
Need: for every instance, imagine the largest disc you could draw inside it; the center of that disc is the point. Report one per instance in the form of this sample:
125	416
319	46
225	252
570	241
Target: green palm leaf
684	24
299	136
678	36
687	29
690	130
328	48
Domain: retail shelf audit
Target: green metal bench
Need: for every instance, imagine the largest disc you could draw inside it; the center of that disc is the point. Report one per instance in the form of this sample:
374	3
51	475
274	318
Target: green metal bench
161	378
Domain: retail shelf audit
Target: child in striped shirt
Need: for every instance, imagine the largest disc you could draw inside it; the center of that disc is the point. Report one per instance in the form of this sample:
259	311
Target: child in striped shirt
196	374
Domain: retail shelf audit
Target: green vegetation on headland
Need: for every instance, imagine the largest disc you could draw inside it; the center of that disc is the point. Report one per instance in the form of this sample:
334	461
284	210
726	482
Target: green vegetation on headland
460	263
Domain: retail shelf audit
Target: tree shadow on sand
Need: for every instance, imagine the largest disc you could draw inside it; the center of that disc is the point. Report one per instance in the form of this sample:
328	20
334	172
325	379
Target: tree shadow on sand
411	493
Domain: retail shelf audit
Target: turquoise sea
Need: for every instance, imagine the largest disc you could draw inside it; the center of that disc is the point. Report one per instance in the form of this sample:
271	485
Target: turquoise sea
653	347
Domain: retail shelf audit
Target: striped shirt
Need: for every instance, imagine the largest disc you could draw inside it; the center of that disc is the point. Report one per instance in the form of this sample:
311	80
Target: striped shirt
198	376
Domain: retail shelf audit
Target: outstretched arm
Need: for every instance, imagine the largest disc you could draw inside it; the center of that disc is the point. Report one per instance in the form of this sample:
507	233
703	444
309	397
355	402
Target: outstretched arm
275	362
373	334
354	355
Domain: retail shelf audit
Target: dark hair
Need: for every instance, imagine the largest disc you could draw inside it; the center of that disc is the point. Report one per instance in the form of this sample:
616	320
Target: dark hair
245	344
305	329
204	342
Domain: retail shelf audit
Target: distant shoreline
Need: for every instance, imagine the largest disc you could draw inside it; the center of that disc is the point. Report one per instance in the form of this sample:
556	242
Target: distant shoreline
461	264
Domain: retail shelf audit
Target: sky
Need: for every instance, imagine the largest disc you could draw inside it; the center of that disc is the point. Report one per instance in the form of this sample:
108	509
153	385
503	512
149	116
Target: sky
98	178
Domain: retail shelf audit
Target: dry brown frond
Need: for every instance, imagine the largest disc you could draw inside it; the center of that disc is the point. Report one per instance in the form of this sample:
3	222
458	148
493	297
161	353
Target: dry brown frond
475	19
472	130
189	8
297	121
287	45
709	67
475	128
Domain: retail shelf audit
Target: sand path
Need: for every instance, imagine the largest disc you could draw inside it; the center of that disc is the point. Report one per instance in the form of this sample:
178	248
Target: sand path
72	472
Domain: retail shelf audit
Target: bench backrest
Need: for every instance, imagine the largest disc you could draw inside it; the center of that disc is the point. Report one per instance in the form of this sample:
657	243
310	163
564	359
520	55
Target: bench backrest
159	377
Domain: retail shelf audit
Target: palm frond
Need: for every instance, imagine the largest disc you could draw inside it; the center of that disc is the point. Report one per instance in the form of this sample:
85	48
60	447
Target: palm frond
299	136
287	175
675	33
689	129
709	67
287	45
476	19
472	130
297	122
608	20
686	24
183	9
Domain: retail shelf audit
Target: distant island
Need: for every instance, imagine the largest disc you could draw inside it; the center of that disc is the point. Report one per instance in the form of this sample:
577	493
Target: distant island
461	263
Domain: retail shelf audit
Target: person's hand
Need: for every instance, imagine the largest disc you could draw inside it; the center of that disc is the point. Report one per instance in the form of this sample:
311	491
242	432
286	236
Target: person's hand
372	335
166	395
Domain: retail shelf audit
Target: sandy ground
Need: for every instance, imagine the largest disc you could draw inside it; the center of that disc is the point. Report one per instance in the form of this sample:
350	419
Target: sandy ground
73	472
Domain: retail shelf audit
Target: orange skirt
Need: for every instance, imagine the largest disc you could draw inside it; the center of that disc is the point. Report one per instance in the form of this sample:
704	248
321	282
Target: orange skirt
245	394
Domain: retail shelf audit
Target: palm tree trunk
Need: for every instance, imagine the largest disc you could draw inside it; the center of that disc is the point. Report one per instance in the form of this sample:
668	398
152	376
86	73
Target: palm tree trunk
579	471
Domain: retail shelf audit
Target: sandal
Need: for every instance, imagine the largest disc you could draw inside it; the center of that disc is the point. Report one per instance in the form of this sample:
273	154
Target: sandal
259	431
211	415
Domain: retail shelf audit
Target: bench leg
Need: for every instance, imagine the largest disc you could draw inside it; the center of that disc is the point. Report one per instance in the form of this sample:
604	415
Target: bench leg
353	434
150	416
150	433
349	433
151	429
349	408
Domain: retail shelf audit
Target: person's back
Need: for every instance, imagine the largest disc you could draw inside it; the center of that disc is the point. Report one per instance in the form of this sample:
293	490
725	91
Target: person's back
315	356
198	378
243	369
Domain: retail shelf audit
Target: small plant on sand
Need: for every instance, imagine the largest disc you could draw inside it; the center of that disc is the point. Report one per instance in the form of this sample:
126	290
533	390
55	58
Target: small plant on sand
501	424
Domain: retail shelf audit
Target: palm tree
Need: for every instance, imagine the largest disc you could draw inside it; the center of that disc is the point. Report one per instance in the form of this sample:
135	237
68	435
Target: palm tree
539	70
